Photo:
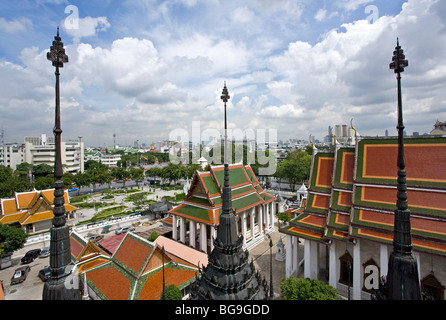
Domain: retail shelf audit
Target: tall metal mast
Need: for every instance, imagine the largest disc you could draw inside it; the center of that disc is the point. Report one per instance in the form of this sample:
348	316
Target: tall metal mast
57	287
402	277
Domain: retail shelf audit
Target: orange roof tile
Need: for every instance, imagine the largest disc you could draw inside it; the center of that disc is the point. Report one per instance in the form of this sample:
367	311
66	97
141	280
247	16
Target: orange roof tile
9	206
132	254
110	282
36	217
11	218
153	286
24	199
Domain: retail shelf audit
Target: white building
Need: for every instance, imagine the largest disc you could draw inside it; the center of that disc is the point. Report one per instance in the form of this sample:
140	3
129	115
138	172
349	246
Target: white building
110	160
12	154
40	150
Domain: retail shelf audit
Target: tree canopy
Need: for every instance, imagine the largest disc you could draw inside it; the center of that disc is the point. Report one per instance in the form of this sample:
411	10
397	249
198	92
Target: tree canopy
173	293
295	168
307	289
11	239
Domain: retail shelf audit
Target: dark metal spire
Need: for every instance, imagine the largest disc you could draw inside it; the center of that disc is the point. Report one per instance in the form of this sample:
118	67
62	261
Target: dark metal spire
58	287
402	278
229	275
227	230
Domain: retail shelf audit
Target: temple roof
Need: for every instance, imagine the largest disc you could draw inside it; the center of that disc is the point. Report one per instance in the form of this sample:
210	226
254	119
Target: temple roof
361	200
134	271
203	202
31	207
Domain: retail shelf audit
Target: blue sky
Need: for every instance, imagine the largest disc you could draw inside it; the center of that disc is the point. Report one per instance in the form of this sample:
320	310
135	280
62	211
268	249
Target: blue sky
144	68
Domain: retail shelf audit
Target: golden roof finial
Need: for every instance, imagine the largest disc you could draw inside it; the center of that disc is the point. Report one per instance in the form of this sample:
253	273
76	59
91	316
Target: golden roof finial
333	136
351	125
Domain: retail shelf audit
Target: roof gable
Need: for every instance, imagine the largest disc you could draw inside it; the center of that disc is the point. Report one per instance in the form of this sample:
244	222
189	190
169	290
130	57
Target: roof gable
9	206
133	253
24	199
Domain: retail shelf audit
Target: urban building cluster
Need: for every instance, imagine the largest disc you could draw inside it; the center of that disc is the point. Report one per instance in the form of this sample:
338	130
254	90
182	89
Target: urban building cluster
41	150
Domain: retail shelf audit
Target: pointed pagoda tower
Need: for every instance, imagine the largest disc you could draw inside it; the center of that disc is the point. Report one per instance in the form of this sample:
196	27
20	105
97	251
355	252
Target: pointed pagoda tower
59	286
402	278
229	275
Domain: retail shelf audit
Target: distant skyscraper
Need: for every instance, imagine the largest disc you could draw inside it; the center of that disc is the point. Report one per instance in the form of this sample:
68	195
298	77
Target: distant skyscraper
387	133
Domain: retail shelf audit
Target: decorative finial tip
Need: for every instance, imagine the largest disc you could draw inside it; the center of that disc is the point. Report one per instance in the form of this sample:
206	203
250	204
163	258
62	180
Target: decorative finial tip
57	30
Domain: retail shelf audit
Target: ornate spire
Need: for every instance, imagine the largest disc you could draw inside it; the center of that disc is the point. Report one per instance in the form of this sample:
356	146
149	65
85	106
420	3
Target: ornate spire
402	277
229	275
57	287
227	230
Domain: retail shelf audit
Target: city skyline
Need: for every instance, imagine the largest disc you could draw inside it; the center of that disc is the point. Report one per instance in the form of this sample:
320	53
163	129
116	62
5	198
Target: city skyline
140	69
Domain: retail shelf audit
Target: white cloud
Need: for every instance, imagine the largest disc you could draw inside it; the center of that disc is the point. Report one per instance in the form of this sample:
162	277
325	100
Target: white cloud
352	5
320	15
242	15
161	78
86	27
15	25
286	111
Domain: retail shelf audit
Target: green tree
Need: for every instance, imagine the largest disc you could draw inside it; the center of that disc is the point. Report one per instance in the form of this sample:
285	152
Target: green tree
11	239
81	180
11	182
67	179
106	176
137	174
173	172
307	289
153	236
44	182
295	168
42	170
153	172
121	174
24	170
283	216
190	170
93	165
173	293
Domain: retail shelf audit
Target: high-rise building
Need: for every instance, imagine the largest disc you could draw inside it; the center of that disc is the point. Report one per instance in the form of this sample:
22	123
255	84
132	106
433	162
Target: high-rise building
12	154
42	149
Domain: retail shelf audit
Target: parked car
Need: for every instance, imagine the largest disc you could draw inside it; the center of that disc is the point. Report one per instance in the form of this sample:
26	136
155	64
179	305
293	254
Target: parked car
124	229
30	256
97	238
20	275
44	253
44	274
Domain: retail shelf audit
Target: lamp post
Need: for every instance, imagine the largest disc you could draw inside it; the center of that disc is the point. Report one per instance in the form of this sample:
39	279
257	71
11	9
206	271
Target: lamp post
271	289
163	295
402	277
57	287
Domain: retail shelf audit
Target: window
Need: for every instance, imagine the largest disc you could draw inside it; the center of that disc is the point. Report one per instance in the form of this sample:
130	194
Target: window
346	269
432	288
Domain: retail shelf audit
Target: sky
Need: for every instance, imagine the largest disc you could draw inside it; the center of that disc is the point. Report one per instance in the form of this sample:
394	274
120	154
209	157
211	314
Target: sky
143	69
